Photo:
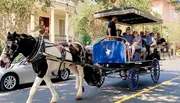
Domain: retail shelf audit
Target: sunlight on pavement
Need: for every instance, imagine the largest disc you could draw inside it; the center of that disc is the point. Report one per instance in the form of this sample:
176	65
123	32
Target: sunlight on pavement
143	96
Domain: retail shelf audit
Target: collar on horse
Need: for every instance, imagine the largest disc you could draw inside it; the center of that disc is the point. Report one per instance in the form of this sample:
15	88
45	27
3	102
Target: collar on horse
38	50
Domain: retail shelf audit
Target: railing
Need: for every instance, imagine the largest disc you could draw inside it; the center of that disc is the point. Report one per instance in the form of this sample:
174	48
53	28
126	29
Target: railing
60	38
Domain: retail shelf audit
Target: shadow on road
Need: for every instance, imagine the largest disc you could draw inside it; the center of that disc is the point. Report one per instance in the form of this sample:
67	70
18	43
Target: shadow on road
113	89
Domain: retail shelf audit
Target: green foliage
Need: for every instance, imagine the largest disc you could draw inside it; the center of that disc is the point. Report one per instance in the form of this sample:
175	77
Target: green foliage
1	48
143	5
84	21
178	51
177	4
106	3
86	39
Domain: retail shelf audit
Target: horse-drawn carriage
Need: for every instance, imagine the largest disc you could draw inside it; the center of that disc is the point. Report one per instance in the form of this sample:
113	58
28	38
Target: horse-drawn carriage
110	56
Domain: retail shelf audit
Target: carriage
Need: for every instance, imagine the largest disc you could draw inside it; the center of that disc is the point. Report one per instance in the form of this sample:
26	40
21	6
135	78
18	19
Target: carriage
110	56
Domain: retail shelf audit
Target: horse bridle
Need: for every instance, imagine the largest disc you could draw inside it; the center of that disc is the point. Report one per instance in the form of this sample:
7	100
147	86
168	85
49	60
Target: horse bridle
11	48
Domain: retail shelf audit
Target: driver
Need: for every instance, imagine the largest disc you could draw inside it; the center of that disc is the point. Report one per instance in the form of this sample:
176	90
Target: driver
112	27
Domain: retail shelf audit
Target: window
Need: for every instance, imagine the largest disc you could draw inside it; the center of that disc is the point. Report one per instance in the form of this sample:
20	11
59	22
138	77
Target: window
175	15
165	14
155	8
61	27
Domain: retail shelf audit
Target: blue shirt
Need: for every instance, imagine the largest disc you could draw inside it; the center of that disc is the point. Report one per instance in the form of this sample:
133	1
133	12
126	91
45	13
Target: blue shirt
149	40
129	38
136	40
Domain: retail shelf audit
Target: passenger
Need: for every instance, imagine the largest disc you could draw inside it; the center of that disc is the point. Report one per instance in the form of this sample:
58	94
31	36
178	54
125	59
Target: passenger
129	39
128	36
118	32
143	37
150	41
136	44
161	42
112	27
152	34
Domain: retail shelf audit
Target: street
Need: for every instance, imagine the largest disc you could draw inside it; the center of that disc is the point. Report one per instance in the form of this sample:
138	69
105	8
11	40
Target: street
167	90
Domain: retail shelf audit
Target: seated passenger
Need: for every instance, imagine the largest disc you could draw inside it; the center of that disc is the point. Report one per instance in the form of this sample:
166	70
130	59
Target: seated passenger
161	42
150	41
143	38
128	36
118	32
129	39
136	43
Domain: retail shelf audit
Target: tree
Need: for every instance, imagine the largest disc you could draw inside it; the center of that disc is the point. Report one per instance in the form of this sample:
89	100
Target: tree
15	14
143	5
176	3
84	21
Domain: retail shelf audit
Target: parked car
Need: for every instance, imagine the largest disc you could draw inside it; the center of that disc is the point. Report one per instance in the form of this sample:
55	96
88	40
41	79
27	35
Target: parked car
22	73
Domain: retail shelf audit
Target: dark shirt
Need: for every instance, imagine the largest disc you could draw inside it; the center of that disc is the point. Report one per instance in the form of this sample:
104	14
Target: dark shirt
143	41
113	28
124	34
160	41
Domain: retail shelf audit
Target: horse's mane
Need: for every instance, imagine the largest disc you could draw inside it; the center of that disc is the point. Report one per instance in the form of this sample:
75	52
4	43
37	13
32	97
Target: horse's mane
25	35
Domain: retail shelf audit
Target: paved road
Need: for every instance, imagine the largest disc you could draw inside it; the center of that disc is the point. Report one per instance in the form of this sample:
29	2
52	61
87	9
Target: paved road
113	90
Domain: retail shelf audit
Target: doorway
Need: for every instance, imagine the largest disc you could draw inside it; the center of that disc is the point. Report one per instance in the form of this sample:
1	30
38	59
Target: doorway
44	24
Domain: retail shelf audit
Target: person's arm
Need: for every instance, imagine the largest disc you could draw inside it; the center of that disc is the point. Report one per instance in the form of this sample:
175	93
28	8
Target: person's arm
163	42
153	42
109	31
139	39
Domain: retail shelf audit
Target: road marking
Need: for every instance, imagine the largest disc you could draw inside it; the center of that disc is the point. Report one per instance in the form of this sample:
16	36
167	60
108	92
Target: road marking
146	90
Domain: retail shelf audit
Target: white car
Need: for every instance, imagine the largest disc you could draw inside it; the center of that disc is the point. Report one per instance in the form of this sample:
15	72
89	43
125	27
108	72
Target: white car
22	73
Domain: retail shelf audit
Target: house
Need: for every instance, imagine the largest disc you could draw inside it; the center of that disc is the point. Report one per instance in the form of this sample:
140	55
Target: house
166	10
55	21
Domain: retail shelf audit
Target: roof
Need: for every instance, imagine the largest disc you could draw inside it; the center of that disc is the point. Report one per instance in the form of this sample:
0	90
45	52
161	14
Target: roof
129	15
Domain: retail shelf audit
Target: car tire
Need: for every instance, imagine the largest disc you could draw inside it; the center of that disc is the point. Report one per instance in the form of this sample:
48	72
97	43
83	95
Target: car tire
64	74
9	82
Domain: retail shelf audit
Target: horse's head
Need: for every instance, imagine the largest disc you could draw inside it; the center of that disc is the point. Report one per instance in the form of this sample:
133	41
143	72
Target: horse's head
10	50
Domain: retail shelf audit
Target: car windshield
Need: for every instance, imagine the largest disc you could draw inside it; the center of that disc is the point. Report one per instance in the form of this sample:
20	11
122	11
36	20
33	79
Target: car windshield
18	59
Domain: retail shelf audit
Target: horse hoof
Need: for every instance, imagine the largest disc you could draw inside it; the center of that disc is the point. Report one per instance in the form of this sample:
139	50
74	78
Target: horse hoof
78	97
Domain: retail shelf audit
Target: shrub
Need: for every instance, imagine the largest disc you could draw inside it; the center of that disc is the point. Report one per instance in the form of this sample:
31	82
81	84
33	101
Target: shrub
86	39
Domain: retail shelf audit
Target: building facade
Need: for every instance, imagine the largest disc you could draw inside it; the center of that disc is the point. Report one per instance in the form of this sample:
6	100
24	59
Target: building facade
55	21
166	10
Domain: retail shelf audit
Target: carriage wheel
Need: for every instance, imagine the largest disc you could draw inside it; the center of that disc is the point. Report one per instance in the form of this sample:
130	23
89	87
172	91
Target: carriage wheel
155	70
133	79
101	81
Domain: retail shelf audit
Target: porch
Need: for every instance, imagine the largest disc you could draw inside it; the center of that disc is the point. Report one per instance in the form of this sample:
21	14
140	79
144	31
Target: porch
55	21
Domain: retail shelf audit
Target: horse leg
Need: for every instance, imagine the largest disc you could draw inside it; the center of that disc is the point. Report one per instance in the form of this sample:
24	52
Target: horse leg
55	97
74	70
81	79
33	90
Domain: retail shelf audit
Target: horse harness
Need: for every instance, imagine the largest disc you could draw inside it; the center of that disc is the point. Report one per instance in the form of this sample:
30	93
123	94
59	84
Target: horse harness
39	53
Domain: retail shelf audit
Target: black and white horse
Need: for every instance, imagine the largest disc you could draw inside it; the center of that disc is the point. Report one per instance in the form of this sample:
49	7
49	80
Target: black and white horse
43	65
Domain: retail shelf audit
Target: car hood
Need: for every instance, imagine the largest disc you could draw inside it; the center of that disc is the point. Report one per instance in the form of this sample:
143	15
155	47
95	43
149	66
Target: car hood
4	70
